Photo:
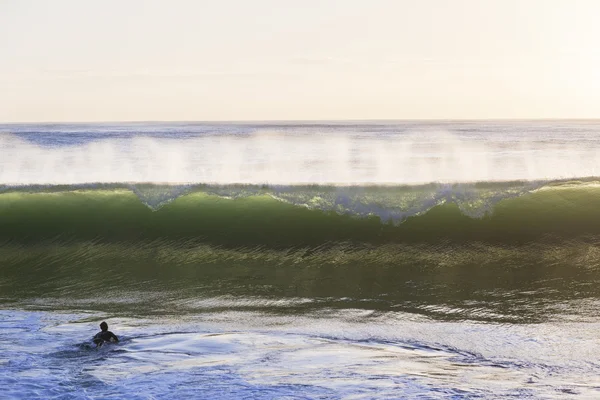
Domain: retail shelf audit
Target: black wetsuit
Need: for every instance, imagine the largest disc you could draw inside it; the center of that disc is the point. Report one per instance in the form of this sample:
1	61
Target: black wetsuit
105	336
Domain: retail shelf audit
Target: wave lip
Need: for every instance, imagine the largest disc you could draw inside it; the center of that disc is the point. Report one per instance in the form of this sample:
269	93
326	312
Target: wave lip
292	216
388	202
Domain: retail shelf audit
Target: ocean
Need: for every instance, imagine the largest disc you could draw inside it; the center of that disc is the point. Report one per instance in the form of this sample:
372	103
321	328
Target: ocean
326	260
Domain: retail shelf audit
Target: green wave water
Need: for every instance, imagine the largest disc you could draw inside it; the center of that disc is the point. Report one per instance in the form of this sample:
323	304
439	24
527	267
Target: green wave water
237	217
300	249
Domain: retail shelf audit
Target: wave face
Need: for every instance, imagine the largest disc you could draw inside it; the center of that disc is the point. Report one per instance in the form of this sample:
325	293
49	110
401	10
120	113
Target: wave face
280	217
305	248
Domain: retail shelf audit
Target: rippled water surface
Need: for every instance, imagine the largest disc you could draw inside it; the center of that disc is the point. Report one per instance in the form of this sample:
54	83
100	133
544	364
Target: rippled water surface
343	354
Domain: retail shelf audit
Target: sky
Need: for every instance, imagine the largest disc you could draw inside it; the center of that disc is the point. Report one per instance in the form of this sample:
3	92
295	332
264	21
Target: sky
186	60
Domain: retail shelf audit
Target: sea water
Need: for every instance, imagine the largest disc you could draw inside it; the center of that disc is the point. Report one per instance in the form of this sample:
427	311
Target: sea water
286	260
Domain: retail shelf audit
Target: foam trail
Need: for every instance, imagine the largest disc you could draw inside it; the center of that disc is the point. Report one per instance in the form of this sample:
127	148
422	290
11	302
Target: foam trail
290	158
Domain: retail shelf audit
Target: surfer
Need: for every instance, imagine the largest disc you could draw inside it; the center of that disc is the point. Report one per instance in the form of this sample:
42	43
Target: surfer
105	335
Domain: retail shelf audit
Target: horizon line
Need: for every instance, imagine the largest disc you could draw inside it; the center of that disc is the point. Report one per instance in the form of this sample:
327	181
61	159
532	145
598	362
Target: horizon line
303	121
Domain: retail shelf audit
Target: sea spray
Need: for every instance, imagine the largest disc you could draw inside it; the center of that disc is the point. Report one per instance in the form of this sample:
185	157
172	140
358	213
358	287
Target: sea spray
294	154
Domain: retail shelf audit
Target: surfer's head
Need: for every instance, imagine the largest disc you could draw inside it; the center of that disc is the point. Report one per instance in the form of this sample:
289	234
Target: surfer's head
103	326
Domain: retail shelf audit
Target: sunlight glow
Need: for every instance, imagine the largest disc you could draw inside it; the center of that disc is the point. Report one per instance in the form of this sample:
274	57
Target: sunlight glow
270	60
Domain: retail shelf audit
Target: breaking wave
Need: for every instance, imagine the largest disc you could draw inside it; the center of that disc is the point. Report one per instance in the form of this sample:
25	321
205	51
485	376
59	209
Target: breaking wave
288	216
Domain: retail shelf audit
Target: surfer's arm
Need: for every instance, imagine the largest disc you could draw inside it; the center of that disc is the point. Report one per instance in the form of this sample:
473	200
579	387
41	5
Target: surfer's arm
113	336
97	340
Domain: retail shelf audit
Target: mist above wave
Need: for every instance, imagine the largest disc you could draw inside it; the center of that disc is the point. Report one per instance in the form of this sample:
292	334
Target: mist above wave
288	158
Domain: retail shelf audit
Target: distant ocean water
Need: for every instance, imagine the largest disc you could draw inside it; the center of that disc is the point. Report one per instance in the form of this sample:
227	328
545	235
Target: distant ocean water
309	260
